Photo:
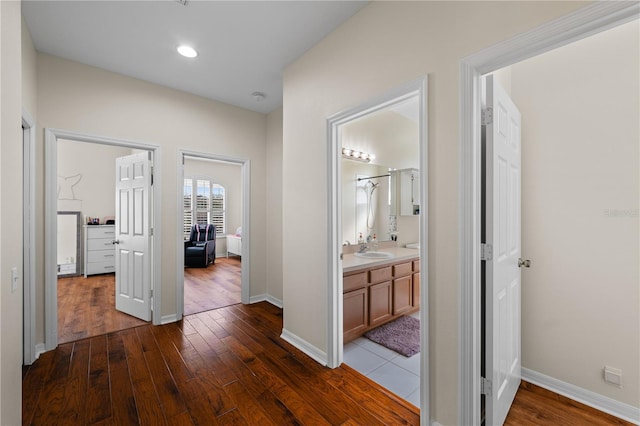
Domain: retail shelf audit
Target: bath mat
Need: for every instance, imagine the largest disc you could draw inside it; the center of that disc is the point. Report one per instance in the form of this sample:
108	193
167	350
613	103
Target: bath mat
401	335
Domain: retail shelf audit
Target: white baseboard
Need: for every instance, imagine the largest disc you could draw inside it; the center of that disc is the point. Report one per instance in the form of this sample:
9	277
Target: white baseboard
168	319
266	298
39	350
314	353
611	406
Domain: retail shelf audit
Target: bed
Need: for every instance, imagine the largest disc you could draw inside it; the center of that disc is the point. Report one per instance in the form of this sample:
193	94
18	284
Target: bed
234	243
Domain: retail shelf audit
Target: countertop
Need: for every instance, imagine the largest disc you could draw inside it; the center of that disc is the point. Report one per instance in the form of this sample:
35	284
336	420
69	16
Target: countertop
351	262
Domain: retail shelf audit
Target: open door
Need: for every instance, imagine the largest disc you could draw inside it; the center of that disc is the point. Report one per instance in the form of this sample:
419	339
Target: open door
501	252
133	235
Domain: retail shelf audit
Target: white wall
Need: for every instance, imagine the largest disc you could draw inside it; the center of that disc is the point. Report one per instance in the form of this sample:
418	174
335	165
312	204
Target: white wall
383	46
274	209
92	166
79	98
230	177
580	131
10	212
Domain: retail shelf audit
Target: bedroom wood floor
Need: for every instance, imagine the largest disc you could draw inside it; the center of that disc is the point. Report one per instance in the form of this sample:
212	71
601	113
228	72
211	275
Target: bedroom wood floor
86	306
212	287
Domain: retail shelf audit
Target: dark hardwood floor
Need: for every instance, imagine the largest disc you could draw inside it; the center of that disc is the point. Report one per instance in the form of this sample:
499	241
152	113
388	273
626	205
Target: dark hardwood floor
227	366
534	405
212	287
86	308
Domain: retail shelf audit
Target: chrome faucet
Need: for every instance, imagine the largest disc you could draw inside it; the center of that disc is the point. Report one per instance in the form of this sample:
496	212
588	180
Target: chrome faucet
363	247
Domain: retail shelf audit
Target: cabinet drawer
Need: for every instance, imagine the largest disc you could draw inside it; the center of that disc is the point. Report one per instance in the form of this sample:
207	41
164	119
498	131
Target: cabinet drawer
100	268
416	266
101	232
101	256
100	244
355	281
381	274
402	269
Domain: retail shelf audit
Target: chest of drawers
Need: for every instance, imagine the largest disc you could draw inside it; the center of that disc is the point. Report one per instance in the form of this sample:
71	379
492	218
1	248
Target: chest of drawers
99	252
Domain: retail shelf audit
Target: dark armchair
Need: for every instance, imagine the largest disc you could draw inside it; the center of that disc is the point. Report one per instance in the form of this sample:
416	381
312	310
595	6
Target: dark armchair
200	249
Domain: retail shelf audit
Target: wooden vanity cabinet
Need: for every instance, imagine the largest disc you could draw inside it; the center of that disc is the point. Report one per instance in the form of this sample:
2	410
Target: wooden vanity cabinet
356	313
372	297
416	284
380	308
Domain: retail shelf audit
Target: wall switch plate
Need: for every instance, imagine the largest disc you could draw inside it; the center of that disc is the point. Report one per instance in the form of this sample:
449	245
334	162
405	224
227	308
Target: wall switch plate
613	376
14	279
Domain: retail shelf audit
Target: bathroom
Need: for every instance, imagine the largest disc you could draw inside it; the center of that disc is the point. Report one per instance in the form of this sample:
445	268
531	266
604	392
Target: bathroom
380	234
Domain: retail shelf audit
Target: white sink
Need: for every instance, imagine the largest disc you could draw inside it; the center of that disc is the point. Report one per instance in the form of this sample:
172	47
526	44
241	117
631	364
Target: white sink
375	255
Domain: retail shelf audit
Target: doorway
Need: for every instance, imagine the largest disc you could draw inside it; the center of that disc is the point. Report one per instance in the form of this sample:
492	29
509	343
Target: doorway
226	180
62	194
343	246
212	234
586	21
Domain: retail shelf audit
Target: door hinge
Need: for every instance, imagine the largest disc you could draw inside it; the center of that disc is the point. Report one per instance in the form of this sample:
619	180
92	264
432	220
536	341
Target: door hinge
485	386
487	116
486	251
151	293
151	232
152	175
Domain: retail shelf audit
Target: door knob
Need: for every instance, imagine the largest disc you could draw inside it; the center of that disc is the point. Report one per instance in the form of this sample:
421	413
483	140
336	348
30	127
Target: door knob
115	242
524	262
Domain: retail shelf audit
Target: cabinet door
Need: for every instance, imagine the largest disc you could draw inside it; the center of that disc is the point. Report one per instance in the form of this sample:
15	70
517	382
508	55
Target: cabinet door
380	303
355	316
402	293
416	289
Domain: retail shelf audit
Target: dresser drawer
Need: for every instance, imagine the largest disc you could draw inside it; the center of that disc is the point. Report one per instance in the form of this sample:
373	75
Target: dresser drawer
100	244
101	256
100	268
101	232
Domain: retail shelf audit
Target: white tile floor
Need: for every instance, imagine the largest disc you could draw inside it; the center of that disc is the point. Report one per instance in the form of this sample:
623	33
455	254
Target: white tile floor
399	374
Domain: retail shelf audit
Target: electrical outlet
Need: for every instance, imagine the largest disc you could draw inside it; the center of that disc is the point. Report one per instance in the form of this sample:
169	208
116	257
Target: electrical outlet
613	376
14	279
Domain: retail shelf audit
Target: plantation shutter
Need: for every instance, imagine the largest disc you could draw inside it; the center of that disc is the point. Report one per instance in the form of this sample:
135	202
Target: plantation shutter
204	203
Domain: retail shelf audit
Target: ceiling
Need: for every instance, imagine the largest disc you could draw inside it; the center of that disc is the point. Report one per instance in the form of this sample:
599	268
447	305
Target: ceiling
243	46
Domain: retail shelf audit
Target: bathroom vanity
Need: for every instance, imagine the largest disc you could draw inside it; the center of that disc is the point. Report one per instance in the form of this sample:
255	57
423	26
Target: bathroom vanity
376	291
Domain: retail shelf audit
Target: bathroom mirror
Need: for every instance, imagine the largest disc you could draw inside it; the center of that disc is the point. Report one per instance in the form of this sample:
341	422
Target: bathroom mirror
69	243
375	150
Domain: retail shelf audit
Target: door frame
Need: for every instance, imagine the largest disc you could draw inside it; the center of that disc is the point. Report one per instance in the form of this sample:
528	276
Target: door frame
584	22
245	171
335	340
50	224
29	351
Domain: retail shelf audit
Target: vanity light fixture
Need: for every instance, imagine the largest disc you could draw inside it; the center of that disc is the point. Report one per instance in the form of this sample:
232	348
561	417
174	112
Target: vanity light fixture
351	154
187	51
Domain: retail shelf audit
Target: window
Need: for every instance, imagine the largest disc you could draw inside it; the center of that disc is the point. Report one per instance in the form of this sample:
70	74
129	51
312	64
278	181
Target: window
203	202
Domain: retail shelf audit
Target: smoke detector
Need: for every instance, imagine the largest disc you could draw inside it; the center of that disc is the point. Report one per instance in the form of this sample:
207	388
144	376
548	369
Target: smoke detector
258	96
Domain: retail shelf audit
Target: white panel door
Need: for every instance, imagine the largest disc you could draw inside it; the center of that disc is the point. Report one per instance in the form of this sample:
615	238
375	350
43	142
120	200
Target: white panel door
503	186
133	235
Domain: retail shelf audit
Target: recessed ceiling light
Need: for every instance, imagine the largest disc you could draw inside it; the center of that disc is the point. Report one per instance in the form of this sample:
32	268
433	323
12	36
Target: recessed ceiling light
187	51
